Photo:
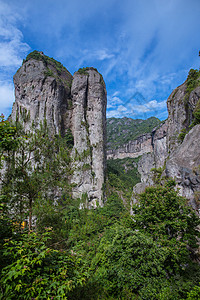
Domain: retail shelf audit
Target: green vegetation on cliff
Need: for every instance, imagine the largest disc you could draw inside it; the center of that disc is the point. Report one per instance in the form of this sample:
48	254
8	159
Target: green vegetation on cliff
53	67
121	131
123	174
46	59
84	71
192	82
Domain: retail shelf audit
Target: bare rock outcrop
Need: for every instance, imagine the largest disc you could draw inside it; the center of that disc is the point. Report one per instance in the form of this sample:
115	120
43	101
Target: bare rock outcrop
159	137
184	166
89	131
179	158
42	92
181	106
154	159
45	90
133	149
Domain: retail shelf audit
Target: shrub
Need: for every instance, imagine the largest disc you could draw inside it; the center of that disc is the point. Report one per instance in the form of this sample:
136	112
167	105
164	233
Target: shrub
36	271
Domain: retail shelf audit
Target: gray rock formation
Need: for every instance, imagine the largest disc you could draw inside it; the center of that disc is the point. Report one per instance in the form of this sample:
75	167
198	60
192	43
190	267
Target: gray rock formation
163	148
184	166
89	131
159	138
154	142
42	92
155	159
184	158
45	90
180	161
135	148
152	148
180	107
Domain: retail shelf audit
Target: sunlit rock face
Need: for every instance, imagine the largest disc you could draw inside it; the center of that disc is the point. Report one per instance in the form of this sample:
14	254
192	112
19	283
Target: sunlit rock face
184	166
133	149
42	92
89	130
45	90
181	106
159	138
183	163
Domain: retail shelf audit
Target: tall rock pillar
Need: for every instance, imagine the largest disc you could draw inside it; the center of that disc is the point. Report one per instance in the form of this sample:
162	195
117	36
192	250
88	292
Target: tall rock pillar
89	131
46	91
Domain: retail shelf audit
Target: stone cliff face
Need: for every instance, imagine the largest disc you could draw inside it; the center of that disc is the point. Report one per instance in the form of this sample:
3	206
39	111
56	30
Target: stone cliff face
154	143
159	138
179	160
89	131
167	149
154	159
181	106
183	162
135	148
42	91
45	90
184	166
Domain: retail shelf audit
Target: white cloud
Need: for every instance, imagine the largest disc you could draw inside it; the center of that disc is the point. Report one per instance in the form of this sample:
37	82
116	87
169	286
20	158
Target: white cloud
151	106
12	51
113	101
116	93
122	109
132	109
103	54
112	114
12	47
132	43
6	97
155	104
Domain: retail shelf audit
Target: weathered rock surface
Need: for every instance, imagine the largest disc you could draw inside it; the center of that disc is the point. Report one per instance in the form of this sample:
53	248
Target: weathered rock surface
180	109
180	161
45	90
154	142
163	149
89	131
145	164
159	137
42	93
152	148
135	148
184	166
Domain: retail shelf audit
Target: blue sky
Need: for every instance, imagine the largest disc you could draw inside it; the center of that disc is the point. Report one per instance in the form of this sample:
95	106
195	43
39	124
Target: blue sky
143	48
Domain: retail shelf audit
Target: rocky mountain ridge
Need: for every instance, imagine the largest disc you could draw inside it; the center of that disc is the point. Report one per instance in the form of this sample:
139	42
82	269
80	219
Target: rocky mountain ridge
45	90
172	148
121	131
146	143
176	146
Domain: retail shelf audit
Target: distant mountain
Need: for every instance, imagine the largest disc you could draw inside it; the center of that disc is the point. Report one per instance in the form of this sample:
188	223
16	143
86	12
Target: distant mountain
121	131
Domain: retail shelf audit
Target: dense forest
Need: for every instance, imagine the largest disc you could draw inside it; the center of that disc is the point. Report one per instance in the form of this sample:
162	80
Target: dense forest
52	249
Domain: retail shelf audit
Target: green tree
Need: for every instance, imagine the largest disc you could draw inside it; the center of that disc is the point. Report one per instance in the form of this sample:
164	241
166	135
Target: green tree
194	294
37	169
166	216
37	271
8	139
